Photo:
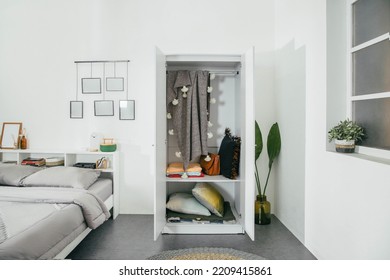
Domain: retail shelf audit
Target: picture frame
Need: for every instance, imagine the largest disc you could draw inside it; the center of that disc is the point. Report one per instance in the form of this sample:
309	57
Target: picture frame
10	135
76	109
91	86
115	84
127	109
104	107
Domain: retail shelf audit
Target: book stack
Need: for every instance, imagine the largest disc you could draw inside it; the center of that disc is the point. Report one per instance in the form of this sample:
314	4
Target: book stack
34	161
54	161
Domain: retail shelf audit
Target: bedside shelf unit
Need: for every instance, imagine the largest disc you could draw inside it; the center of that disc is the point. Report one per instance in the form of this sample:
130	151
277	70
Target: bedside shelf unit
70	158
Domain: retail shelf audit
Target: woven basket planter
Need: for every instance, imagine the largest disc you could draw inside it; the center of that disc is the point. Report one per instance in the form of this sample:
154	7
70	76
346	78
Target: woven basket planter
345	146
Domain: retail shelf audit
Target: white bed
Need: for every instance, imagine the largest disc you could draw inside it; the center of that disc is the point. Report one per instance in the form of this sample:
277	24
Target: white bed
45	214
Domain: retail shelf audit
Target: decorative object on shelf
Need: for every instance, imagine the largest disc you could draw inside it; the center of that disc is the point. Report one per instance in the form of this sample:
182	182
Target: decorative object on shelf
23	140
108	145
210	164
94	141
229	153
346	134
274	143
102	163
10	135
104	107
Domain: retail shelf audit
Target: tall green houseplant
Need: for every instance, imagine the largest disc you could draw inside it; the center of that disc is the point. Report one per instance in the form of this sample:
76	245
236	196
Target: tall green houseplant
274	144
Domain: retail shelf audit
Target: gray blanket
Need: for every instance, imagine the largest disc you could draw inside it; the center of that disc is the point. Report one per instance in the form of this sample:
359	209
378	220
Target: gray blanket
38	222
94	210
189	115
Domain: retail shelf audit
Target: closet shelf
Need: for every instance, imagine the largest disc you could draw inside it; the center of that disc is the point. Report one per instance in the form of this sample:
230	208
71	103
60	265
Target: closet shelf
206	178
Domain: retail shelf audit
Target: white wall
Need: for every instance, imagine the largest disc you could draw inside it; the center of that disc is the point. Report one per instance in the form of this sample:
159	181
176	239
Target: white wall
40	40
346	198
292	68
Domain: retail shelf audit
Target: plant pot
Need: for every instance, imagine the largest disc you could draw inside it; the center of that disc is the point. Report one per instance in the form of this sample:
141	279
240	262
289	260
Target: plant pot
262	210
345	146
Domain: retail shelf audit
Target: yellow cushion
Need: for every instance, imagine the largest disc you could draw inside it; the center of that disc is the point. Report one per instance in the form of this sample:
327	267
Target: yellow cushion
209	197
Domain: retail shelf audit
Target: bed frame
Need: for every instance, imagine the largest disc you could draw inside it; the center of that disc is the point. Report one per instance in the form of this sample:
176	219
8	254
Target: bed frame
70	247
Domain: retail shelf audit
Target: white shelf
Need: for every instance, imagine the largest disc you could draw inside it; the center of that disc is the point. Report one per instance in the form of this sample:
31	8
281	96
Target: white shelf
70	158
206	178
205	228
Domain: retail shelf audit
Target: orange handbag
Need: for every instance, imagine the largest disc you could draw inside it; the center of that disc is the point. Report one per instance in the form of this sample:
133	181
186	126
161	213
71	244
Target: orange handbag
211	167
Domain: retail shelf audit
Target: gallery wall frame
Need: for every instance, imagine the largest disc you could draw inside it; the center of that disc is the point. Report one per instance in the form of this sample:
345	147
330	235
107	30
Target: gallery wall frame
91	86
114	84
104	107
127	109
76	109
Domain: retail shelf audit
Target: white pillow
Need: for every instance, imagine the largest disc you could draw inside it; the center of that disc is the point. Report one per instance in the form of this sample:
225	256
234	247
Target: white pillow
187	204
62	176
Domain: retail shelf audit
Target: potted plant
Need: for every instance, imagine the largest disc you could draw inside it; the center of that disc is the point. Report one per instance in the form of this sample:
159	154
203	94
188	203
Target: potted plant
346	134
262	206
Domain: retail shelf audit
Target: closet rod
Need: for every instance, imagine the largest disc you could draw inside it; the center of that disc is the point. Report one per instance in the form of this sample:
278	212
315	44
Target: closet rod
100	61
220	72
225	72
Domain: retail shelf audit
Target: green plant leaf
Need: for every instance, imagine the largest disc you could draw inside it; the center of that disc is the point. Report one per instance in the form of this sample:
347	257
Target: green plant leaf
274	143
258	141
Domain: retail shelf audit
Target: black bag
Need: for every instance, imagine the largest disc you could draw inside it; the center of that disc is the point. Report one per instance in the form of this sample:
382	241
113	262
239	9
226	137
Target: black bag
229	154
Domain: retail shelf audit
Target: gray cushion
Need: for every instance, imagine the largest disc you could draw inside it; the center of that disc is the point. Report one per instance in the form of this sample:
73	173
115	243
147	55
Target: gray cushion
63	176
12	175
186	203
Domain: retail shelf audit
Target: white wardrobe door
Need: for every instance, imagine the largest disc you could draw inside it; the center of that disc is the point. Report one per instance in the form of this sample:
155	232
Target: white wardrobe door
160	145
248	144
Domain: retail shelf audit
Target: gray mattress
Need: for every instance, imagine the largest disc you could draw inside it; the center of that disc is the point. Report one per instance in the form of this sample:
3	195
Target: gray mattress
35	230
102	188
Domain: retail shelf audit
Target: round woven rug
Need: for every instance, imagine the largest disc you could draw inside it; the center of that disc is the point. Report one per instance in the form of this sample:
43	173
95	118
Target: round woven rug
205	253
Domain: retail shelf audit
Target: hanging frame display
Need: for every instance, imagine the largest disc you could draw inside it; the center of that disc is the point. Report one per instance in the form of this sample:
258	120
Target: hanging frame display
101	85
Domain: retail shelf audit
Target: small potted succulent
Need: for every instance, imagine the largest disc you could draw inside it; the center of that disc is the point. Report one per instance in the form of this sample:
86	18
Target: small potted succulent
346	134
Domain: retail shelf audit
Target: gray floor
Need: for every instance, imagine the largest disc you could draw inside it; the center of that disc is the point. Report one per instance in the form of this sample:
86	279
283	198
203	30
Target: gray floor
130	237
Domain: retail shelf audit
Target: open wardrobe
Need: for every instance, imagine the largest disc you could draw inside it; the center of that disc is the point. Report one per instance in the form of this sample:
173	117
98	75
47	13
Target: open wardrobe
204	150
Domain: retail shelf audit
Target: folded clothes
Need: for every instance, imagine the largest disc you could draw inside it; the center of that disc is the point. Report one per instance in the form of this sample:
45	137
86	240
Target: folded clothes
178	168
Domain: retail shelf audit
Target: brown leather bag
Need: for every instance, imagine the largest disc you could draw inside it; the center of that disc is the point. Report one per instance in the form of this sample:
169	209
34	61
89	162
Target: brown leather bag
211	167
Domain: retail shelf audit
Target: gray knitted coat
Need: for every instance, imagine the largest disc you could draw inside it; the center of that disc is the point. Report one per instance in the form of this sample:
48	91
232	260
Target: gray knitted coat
189	115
